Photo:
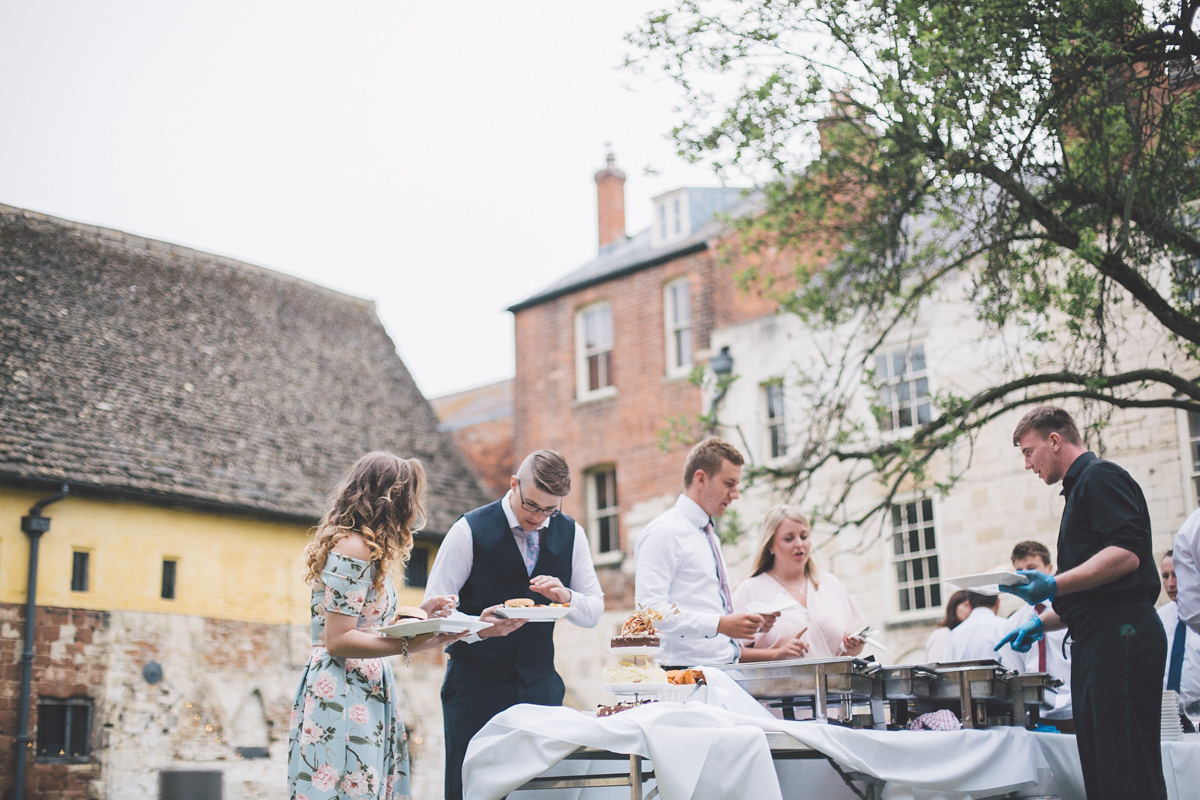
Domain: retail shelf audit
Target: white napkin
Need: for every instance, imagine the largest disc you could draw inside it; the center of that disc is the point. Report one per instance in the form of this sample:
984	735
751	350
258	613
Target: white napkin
781	602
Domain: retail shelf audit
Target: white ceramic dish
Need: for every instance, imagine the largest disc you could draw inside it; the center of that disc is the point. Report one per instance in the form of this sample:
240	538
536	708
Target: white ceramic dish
623	689
643	650
534	614
987	582
416	627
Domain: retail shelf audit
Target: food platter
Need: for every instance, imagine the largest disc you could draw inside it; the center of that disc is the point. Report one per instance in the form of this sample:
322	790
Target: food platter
417	627
534	613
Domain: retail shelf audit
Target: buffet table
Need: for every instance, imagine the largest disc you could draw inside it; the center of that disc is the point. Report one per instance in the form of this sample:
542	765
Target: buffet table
731	747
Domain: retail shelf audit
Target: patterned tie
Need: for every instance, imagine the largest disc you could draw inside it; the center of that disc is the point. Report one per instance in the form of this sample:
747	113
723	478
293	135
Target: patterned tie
533	543
1175	673
716	548
1038	609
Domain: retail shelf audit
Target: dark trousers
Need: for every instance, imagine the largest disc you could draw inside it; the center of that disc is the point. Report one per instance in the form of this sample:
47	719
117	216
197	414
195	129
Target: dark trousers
1117	664
471	697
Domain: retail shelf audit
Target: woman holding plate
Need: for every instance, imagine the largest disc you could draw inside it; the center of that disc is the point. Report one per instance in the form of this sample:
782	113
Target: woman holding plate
820	620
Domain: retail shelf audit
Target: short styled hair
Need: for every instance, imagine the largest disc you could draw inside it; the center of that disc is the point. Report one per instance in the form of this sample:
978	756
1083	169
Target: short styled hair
708	456
978	600
1047	420
1031	548
548	470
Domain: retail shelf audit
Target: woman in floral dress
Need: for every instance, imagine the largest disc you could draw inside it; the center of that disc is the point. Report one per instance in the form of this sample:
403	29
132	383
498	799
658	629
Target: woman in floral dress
347	740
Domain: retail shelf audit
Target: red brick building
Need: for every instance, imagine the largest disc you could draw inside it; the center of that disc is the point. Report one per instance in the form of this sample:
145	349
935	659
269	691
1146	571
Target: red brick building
604	357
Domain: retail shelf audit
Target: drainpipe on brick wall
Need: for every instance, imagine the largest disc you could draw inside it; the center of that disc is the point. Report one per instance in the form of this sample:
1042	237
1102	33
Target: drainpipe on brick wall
34	526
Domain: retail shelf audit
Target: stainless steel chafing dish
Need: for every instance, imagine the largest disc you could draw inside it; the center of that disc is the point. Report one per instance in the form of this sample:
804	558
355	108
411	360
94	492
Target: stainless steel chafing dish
1028	690
904	684
811	682
974	685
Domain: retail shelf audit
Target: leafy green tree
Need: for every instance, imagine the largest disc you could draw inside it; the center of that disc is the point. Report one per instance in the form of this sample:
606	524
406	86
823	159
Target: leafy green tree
1034	159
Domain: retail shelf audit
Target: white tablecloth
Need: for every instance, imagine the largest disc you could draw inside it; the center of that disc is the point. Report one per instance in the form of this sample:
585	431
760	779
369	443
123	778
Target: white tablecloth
719	751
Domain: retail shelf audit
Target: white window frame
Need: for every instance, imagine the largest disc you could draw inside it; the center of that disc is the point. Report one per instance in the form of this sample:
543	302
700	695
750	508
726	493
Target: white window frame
773	423
896	583
583	353
1189	451
678	329
596	516
893	384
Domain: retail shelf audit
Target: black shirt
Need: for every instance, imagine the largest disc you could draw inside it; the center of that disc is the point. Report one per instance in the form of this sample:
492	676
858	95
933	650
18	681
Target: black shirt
1105	508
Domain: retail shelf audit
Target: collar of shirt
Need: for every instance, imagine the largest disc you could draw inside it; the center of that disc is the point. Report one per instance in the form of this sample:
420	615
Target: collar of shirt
692	511
1073	471
506	504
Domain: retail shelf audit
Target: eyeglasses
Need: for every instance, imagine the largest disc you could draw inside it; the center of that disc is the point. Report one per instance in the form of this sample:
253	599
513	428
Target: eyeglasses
535	509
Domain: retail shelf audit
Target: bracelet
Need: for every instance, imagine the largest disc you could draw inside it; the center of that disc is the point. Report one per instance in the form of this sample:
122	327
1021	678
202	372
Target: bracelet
404	651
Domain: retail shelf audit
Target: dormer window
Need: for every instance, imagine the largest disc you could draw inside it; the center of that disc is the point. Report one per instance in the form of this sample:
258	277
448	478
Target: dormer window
670	218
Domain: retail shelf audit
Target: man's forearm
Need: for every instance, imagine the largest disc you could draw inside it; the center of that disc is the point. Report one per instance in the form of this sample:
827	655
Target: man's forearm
1106	566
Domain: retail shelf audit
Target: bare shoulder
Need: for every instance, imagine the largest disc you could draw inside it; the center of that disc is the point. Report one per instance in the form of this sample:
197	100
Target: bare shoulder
354	546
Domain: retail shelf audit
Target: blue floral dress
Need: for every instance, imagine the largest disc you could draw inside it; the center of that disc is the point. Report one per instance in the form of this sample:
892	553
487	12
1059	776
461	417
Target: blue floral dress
347	741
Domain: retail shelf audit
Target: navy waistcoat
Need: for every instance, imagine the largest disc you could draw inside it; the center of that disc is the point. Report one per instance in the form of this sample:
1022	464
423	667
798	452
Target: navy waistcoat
498	574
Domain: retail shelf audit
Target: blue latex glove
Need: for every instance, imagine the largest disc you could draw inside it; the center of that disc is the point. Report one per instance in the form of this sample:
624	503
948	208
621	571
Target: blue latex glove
1040	587
1022	639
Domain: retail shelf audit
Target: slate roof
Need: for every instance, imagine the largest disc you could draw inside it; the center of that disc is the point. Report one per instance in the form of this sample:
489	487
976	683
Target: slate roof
150	371
637	253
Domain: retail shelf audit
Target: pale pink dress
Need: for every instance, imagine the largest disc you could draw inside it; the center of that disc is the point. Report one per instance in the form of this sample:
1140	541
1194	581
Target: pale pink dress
830	615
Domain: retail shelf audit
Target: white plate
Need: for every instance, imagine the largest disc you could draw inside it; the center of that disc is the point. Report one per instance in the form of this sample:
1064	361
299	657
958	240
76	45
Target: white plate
643	650
415	627
987	582
636	688
534	614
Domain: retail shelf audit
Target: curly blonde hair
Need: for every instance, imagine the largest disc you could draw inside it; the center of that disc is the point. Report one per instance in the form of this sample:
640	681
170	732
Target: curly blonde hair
381	497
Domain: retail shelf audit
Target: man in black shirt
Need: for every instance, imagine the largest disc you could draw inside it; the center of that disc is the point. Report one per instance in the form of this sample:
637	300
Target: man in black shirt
1104	595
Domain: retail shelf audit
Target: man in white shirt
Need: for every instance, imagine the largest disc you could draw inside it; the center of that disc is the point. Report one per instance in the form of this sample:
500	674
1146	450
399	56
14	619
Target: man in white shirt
520	546
679	564
1187	570
975	638
1049	654
1182	674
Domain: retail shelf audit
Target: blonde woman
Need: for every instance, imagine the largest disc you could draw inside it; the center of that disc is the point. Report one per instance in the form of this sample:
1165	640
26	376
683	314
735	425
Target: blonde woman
347	740
823	624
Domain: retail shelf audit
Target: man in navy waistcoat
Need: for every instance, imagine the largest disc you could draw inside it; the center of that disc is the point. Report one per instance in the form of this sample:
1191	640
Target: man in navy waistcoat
521	546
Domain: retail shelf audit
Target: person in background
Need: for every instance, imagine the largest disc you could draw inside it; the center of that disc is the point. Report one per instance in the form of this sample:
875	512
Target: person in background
975	638
1186	556
679	565
958	608
520	546
1050	654
825	620
1183	648
1105	595
347	739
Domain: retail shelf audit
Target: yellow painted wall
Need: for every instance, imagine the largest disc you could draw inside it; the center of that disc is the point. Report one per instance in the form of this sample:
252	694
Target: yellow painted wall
229	567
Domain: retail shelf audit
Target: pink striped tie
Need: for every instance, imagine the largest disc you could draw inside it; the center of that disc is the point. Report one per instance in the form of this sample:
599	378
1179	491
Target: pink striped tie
716	548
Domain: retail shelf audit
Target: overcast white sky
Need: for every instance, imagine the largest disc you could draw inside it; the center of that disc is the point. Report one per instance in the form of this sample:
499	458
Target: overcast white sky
434	157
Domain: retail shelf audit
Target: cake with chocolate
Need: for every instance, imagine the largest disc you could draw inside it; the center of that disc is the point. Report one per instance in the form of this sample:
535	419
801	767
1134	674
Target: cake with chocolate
638	630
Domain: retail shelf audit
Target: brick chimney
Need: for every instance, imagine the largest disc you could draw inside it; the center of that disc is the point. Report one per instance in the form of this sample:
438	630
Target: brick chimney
610	203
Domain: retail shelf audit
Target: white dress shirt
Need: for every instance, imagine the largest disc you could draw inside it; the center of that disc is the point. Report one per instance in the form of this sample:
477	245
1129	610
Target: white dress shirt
975	638
675	565
1057	702
1189	679
456	556
1187	571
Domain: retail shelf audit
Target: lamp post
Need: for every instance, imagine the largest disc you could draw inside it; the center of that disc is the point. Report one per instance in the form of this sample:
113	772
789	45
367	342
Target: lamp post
722	366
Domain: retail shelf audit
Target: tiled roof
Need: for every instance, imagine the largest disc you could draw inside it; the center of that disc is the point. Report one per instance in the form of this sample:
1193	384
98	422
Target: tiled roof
130	365
463	409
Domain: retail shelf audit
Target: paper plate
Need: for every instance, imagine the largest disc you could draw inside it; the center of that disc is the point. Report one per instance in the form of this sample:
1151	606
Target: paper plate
636	688
641	650
416	627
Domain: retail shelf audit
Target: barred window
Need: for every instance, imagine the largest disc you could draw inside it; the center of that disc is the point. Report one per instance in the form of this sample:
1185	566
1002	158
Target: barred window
64	728
903	389
914	555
